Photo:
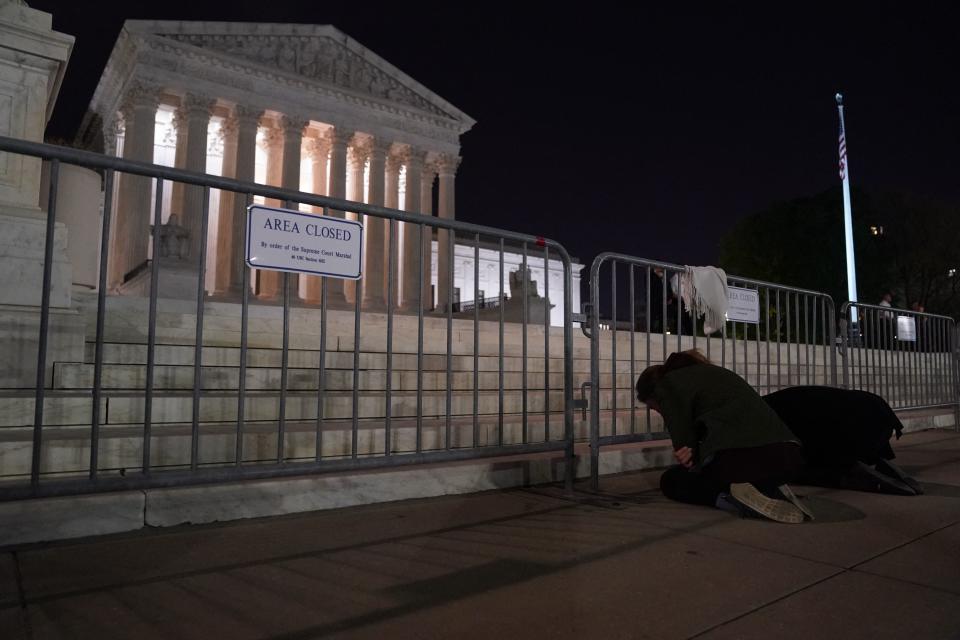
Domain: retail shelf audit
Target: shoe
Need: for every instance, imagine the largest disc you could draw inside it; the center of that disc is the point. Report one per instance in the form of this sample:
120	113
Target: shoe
863	477
788	493
778	510
887	468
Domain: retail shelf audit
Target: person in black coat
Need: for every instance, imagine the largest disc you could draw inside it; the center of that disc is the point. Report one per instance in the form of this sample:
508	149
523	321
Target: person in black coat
846	438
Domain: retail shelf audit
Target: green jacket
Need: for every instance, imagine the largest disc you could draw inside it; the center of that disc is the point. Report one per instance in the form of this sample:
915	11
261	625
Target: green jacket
708	408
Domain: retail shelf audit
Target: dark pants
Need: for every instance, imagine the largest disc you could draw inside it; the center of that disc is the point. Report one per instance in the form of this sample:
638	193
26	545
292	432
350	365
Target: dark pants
765	467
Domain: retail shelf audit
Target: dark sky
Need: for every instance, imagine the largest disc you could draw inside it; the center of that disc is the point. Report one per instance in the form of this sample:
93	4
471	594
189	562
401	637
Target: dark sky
649	131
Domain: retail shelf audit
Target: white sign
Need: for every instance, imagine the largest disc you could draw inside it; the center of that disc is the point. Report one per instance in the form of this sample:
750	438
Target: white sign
286	240
906	329
743	305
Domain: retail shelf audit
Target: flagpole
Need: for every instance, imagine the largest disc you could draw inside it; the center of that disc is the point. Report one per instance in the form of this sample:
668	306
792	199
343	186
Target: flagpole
847	214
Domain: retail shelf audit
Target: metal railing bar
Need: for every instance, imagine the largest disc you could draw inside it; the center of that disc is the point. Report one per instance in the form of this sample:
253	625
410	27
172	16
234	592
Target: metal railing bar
500	353
101	315
546	345
284	365
633	355
526	278
452	240
388	403
198	338
321	366
355	396
152	327
613	346
38	402
207	475
244	338
99	161
476	339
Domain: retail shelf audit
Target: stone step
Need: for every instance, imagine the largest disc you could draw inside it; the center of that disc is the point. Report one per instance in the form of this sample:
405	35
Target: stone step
128	408
117	376
183	355
66	450
168	354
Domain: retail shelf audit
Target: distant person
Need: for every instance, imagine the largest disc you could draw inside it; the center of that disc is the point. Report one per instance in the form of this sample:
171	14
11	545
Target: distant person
734	452
887	329
846	438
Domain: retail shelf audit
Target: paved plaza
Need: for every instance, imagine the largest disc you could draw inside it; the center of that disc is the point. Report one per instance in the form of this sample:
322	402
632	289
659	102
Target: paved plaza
524	563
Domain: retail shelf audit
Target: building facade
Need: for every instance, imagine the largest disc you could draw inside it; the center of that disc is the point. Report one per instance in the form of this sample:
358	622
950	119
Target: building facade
302	107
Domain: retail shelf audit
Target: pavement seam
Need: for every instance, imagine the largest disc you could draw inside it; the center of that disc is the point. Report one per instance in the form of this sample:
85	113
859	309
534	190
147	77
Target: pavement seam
851	569
22	596
767	604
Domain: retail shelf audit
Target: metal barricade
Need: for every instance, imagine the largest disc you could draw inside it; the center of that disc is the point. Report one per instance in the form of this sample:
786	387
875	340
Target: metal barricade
634	326
301	387
907	357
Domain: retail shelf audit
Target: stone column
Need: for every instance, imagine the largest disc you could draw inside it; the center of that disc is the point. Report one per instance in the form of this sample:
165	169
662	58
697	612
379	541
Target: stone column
391	200
375	258
319	151
198	109
240	141
359	152
447	170
293	129
269	288
180	125
411	235
134	212
339	141
426	208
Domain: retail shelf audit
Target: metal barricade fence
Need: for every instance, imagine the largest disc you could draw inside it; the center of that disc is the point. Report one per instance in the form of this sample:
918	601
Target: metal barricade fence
909	358
262	392
639	324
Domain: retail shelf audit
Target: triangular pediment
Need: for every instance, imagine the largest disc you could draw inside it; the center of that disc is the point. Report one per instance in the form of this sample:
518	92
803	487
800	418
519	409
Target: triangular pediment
318	53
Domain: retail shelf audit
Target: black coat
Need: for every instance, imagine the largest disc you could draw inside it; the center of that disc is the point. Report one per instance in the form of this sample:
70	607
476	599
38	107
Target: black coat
837	427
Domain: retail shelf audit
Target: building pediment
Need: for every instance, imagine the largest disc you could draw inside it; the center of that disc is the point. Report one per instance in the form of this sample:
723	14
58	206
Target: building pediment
318	53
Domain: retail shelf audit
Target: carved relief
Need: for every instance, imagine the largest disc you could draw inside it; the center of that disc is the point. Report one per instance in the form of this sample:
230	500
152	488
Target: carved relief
317	58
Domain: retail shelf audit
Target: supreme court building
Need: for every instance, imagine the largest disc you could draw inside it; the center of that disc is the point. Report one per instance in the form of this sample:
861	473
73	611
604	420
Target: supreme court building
302	107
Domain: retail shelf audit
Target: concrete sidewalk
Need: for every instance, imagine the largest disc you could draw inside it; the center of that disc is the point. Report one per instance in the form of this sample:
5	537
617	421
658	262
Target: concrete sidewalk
532	563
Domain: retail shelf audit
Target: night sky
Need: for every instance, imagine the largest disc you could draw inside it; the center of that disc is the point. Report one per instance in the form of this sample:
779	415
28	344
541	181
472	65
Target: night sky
646	131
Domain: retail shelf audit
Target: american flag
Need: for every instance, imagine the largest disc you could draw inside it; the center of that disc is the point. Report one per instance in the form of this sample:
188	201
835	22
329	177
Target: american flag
843	154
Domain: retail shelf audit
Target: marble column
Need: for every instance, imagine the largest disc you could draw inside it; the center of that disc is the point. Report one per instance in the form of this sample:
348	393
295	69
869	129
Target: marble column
134	212
416	159
375	258
269	288
228	132
447	170
198	110
391	200
339	141
319	151
293	130
179	124
359	153
240	157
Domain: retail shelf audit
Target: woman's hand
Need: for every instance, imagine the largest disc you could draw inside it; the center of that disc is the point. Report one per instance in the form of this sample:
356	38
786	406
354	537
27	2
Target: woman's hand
684	456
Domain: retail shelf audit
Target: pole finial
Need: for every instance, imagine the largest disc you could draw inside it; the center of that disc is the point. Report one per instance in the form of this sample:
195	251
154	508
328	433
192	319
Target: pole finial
839	98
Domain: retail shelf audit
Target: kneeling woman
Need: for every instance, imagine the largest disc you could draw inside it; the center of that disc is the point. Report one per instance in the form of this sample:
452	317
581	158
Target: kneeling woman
734	451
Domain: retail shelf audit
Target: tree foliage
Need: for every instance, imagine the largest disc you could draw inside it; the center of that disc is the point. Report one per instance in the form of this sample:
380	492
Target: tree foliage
801	243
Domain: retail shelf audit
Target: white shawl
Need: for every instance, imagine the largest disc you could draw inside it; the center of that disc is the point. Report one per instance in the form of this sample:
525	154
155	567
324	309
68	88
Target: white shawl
704	292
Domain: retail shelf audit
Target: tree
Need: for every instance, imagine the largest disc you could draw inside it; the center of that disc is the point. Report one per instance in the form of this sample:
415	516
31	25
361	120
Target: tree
903	244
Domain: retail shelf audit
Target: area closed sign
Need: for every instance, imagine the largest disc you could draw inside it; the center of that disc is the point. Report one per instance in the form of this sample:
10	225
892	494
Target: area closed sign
743	305
287	240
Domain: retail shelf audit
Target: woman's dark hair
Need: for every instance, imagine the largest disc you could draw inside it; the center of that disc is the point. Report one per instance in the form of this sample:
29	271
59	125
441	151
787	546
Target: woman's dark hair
652	375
